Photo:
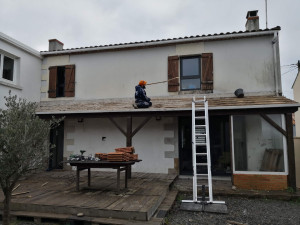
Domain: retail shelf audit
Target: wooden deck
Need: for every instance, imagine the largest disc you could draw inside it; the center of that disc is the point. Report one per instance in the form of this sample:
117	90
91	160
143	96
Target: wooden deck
55	192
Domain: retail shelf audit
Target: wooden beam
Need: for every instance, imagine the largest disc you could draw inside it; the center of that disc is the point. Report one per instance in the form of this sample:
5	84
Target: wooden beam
290	151
272	123
129	132
141	126
117	125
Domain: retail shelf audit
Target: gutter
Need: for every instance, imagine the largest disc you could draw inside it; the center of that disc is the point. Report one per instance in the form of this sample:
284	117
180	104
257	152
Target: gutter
20	45
161	42
276	63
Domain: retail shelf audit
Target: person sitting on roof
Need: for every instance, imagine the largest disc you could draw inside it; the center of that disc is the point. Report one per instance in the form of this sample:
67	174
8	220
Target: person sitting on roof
141	99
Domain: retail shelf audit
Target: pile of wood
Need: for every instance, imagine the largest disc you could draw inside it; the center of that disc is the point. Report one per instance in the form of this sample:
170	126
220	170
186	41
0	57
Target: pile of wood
121	155
102	156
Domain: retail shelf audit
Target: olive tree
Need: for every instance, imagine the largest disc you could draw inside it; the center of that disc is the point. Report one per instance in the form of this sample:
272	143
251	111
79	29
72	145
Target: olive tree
24	145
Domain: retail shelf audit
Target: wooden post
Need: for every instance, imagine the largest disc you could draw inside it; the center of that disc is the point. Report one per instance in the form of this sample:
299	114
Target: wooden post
129	139
118	179
290	151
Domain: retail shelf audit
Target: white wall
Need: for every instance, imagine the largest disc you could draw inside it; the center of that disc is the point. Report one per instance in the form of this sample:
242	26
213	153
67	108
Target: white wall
27	82
238	63
149	142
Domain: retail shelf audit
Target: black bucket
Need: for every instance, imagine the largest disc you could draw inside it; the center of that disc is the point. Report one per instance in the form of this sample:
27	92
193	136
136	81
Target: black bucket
239	93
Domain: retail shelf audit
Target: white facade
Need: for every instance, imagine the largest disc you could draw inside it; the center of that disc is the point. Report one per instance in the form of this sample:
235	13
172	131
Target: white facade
114	74
26	80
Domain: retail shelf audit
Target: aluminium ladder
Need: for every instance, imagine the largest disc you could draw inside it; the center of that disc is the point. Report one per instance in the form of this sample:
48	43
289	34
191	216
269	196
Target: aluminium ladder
200	138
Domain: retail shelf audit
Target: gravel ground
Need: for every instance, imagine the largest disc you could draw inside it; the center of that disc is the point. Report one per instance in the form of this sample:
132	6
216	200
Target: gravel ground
240	211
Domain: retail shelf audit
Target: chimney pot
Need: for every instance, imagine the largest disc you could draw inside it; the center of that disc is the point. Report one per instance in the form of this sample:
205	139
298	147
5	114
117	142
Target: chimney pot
252	20
55	45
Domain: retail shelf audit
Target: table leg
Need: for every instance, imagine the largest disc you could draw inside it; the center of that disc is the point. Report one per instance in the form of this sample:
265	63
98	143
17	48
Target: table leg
118	179
126	175
77	178
89	177
129	172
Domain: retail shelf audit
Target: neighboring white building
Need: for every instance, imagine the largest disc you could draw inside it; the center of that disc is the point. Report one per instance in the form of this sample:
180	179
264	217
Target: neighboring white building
250	137
20	70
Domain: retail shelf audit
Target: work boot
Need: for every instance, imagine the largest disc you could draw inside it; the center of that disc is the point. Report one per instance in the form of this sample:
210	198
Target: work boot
135	106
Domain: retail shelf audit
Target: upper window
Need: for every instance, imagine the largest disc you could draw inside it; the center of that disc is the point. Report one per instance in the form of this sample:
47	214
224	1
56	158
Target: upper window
61	81
195	73
7	67
190	75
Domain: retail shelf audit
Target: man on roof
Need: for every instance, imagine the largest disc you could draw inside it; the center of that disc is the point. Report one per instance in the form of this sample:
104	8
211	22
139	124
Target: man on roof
141	99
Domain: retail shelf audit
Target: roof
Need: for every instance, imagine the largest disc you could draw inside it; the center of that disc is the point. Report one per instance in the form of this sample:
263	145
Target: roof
161	104
19	45
162	42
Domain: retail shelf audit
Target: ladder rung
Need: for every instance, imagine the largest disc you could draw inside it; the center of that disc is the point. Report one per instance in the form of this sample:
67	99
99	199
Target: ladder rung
200	125
199	101
200	134
202	174
200	144
201	164
201	153
200	117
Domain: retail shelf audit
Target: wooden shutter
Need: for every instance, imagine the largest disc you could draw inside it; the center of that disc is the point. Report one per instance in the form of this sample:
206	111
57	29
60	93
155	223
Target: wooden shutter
70	81
173	62
207	72
52	82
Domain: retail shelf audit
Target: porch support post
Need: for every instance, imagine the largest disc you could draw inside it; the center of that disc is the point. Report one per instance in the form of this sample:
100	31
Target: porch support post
129	132
290	151
129	139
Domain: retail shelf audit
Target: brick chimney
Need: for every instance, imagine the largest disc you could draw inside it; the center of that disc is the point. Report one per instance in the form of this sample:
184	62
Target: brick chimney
55	45
252	20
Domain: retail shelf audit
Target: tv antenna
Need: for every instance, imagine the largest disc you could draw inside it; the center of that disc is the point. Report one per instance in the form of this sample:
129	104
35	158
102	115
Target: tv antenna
266	6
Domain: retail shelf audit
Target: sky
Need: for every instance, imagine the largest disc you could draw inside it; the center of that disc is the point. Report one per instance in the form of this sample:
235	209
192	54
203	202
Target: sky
82	23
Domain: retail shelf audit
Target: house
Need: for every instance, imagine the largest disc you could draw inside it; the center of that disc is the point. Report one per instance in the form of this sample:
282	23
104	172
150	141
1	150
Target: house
251	137
296	90
20	70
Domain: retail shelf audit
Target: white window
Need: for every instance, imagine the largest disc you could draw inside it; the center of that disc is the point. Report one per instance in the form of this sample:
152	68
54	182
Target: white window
8	68
258	147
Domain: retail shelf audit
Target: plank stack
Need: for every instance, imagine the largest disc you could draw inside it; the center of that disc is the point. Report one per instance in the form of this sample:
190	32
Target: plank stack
121	155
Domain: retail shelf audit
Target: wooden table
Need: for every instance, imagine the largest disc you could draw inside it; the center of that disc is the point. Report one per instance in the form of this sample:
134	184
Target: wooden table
120	166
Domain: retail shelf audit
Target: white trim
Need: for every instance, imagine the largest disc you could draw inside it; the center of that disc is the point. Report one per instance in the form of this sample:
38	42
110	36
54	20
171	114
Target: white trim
20	45
261	172
10	85
285	156
161	42
15	77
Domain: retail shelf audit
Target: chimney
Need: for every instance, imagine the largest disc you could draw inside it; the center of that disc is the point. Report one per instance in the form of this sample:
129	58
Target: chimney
252	20
55	45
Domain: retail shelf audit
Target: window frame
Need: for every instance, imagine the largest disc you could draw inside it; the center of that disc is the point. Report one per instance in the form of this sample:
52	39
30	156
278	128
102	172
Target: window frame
285	159
181	58
15	61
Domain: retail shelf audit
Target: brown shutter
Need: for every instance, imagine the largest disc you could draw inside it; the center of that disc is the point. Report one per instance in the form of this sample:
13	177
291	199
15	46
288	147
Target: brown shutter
173	85
207	71
70	81
52	82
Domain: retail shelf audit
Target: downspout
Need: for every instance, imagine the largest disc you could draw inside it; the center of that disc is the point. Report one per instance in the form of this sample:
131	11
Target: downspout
275	43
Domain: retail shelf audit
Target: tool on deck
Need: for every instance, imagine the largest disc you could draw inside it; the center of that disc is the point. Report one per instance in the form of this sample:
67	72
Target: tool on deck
201	160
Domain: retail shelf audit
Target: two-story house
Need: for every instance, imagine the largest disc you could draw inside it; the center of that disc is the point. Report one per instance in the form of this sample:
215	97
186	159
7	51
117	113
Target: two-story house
20	70
251	137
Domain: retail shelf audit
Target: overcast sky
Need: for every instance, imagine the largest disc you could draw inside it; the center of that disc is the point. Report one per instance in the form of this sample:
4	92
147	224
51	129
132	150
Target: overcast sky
81	23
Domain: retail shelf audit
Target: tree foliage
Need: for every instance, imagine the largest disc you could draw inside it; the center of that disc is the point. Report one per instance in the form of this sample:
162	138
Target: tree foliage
24	145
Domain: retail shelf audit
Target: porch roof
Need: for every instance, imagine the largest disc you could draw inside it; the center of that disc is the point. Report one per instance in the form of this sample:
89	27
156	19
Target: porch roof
161	104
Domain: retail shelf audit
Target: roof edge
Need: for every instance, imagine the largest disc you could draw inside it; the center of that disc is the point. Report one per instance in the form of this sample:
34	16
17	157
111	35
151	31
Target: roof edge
240	34
20	45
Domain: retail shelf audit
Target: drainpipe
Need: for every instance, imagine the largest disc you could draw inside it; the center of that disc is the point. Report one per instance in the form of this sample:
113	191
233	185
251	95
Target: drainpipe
277	72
